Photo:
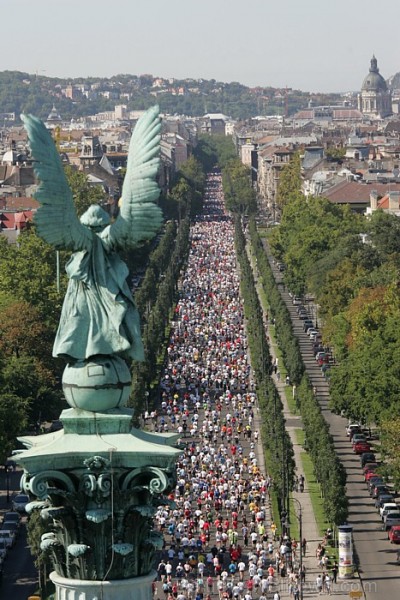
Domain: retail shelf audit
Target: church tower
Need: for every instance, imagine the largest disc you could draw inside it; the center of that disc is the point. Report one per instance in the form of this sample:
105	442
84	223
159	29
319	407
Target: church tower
375	99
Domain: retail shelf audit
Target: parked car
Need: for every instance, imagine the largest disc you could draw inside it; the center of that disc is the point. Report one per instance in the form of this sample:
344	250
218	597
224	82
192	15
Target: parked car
388	507
374	479
382	499
353	427
310	329
296	300
394	534
372	475
11	516
391	519
307	323
370	467
379	488
3	549
9	537
354	431
312	332
367	457
361	447
10	526
358	437
19	502
324	360
9	523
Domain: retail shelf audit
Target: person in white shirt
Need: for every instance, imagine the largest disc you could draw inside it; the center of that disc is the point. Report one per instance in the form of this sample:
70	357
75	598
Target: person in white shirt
241	569
328	584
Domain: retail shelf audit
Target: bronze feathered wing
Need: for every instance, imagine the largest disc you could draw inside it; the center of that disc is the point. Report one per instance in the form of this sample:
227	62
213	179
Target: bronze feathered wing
139	216
56	219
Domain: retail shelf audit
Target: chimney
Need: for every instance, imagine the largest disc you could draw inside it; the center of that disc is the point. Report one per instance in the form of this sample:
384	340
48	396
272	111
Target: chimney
394	201
373	200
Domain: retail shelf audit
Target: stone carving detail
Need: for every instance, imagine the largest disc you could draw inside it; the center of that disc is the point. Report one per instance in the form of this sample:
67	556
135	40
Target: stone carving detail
100	518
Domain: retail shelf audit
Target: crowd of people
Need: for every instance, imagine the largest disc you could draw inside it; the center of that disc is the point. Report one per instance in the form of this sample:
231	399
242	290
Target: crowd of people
220	541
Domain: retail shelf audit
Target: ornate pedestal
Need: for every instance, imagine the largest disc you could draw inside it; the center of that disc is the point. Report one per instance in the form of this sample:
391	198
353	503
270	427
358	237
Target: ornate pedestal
137	588
97	484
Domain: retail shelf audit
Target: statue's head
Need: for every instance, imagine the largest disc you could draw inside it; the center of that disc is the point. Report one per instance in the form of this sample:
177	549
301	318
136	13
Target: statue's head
95	218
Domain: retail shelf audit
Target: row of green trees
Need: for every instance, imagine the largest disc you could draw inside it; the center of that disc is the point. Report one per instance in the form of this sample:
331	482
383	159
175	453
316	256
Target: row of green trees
155	299
157	293
215	150
350	263
278	310
277	444
240	197
327	467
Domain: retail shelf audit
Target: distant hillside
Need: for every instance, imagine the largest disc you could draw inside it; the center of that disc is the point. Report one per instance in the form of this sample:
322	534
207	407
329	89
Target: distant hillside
24	92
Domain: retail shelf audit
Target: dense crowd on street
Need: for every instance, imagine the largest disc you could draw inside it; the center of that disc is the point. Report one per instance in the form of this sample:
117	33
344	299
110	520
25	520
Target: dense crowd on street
220	540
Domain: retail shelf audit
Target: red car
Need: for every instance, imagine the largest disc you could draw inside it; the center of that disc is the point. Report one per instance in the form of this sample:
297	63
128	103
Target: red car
370	467
394	534
361	447
371	474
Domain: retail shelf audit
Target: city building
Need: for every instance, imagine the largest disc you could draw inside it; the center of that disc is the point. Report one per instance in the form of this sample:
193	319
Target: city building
375	99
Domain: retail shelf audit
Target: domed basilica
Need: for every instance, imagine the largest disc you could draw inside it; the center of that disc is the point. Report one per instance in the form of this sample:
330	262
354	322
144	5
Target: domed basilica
375	99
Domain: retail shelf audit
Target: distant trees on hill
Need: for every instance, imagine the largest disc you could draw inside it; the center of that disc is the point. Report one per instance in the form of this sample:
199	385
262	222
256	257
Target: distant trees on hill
36	94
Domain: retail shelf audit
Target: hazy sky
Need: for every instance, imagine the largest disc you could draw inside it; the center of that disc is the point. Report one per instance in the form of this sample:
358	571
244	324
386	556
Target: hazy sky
312	45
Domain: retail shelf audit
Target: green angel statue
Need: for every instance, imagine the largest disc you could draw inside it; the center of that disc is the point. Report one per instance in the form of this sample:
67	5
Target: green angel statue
99	316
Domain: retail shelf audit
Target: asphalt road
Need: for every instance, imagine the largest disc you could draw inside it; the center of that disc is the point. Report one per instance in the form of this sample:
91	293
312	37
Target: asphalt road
19	573
379	571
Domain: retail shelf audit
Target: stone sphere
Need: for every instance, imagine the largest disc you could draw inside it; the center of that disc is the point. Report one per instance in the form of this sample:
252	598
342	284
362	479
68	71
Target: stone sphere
97	384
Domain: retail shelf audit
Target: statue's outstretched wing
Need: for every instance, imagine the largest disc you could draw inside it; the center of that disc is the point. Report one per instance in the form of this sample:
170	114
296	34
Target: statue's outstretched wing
56	219
139	217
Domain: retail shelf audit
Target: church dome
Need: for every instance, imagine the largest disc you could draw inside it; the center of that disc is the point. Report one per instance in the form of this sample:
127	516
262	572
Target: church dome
54	116
374	82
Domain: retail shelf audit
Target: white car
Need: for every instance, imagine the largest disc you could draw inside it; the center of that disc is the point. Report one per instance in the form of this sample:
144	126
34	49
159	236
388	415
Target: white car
351	427
8	536
311	330
391	518
388	507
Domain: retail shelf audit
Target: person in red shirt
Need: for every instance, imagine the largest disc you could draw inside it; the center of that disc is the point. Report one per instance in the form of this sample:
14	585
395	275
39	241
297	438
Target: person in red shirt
271	570
234	554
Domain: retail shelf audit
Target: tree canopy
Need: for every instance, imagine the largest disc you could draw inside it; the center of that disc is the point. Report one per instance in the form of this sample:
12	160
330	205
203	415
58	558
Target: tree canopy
240	197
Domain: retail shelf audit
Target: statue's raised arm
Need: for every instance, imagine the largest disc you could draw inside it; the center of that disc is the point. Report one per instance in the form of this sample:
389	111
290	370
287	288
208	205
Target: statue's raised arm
99	316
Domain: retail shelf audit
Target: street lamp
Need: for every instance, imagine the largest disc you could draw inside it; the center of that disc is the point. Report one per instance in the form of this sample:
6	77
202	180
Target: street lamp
7	469
300	518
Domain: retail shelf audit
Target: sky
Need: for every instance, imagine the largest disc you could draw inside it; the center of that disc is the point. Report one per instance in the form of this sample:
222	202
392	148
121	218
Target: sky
309	45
